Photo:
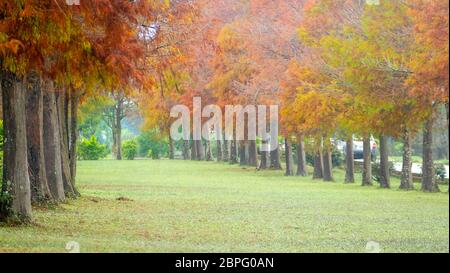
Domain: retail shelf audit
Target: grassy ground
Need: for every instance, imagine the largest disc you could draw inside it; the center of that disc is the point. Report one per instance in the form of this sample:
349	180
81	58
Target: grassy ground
210	207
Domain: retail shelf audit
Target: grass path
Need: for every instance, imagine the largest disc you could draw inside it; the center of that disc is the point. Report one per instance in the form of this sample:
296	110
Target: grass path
176	206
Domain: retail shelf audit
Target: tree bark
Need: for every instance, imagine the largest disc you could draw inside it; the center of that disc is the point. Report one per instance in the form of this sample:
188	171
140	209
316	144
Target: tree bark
327	163
119	113
40	191
252	153
226	151
428	173
233	152
301	157
62	107
406	182
219	151
289	158
52	145
200	151
349	161
171	149
275	159
242	154
318	160
186	150
74	99
208	153
194	155
265	159
367	179
16	179
385	181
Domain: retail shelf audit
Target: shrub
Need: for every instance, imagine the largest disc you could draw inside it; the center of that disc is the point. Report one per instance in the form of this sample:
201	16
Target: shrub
129	149
5	206
337	158
91	149
376	170
440	171
151	144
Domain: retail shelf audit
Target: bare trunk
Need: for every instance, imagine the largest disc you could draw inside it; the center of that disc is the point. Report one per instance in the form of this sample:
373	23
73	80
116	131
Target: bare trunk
289	158
171	149
73	136
52	145
242	154
114	139
40	191
318	160
406	182
194	155
219	151
265	159
199	150
233	152
226	151
301	157
62	106
367	179
252	153
208	153
16	180
349	162
428	173
118	115
275	159
385	181
186	150
327	162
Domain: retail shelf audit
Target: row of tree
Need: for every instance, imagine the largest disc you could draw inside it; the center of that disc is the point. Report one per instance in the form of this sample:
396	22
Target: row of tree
54	56
338	69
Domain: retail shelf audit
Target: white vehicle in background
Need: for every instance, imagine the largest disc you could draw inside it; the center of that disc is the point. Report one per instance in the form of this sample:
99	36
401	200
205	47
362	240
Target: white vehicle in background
358	148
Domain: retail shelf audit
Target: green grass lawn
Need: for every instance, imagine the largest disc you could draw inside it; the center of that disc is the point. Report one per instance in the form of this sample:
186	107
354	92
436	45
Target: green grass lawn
177	206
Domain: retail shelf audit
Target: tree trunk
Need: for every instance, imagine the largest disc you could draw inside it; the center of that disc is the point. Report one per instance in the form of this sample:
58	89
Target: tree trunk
208	153
62	107
428	173
318	160
52	145
301	157
186	150
40	191
289	158
219	151
233	152
385	181
367	179
252	153
242	154
199	150
327	163
16	179
406	182
194	155
73	136
114	138
349	162
265	159
171	149
275	159
119	113
226	151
